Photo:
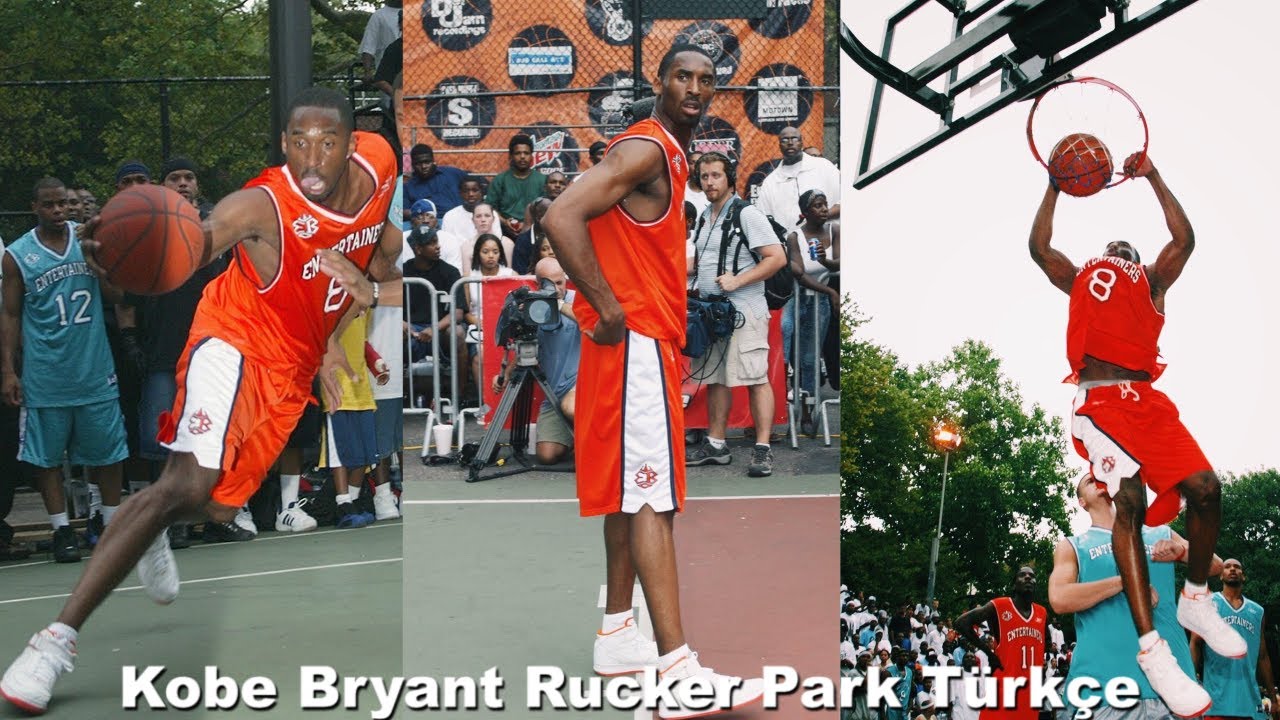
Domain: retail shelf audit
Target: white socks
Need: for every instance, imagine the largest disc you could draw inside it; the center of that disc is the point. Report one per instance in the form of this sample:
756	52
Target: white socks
1148	641
63	630
289	490
717	443
343	499
613	622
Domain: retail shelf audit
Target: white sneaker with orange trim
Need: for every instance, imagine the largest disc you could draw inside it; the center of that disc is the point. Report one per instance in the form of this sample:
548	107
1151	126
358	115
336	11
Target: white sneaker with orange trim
1183	695
28	683
624	651
1199	614
736	692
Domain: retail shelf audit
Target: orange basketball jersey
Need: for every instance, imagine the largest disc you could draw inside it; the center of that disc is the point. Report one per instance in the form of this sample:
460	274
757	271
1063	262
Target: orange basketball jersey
1113	317
644	263
1020	647
285	321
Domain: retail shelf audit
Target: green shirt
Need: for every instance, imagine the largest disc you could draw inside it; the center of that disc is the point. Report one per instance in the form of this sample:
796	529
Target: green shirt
510	195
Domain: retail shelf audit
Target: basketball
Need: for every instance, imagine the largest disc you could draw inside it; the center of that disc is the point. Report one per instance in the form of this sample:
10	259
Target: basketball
152	240
1080	165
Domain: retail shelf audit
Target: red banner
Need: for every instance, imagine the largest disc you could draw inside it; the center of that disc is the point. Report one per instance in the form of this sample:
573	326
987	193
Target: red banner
493	294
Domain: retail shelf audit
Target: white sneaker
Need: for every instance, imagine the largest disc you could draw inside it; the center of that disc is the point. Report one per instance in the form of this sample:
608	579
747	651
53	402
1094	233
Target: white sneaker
384	503
244	519
28	683
295	519
1200	615
1183	695
744	692
158	571
624	651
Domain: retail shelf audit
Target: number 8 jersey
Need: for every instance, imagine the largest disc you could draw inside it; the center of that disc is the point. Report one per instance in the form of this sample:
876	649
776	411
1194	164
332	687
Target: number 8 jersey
1113	317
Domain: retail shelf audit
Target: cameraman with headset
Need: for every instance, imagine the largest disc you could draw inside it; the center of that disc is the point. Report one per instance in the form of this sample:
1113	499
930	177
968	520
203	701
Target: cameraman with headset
742	358
558	359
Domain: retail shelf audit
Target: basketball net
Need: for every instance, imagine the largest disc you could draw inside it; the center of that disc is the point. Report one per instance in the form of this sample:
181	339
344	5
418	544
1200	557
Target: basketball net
1091	106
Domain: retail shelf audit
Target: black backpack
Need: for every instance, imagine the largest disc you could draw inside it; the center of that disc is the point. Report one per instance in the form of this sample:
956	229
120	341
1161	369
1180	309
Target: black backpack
779	287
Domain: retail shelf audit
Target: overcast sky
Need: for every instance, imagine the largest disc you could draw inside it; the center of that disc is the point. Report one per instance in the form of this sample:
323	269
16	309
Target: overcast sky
950	228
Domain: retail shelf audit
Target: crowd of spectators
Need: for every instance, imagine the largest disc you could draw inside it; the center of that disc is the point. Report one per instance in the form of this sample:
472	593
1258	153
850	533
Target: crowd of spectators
903	640
460	224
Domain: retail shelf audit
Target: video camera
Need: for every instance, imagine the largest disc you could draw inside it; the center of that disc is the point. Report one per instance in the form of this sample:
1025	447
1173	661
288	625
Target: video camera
527	310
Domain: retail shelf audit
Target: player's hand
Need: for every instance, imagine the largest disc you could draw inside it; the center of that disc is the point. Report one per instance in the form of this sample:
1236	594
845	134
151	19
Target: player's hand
608	332
1155	597
88	246
335	361
1134	169
1168	550
11	388
337	266
728	282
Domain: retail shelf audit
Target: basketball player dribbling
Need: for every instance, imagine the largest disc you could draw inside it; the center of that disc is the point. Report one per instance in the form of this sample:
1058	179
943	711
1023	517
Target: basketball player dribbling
1018	627
1130	432
619	232
262	331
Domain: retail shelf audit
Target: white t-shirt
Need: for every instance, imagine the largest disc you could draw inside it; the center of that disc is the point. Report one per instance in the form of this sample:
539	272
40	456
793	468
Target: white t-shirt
386	336
697	198
451	248
458	222
381	30
780	192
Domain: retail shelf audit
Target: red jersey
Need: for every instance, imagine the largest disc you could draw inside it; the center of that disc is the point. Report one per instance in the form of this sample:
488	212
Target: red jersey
644	262
1113	317
285	321
1020	647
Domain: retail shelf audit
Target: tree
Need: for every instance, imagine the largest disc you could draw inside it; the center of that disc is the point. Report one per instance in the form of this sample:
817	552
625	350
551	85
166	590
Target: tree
1007	488
82	132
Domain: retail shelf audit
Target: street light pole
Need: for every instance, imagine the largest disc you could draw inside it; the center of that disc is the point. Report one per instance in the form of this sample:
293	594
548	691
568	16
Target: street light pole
946	438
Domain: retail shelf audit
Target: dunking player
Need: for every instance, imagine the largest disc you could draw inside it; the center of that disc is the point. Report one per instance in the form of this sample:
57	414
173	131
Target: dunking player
1130	432
1233	684
1085	583
1018	626
258	339
619	232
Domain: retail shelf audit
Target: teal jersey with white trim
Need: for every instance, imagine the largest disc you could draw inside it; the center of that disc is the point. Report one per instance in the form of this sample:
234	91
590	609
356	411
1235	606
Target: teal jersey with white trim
1106	640
1233	684
66	361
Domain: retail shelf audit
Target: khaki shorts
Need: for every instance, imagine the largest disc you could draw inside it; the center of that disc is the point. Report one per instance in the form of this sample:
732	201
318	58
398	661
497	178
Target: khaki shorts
551	428
742	359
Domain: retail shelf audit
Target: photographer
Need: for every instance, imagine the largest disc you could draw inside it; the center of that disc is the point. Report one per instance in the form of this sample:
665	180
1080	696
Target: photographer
742	359
558	358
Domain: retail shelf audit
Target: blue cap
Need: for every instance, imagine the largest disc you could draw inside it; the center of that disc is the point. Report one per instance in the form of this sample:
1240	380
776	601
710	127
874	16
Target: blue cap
422	206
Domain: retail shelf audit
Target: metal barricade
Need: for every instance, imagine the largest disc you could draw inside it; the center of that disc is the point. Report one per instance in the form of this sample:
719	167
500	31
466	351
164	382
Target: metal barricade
804	295
431	365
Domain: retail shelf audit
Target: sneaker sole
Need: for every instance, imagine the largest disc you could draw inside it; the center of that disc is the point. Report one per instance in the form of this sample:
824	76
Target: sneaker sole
721	711
759	473
23	705
616	670
709	461
1201	713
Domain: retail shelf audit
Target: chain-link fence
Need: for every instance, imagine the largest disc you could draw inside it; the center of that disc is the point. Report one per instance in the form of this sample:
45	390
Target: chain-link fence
80	131
562	71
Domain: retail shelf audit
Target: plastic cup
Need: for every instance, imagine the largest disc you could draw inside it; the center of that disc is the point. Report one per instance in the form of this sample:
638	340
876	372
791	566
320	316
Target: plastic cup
444	438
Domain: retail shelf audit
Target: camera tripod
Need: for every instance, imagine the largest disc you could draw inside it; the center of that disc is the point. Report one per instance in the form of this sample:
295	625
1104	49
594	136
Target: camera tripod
516	403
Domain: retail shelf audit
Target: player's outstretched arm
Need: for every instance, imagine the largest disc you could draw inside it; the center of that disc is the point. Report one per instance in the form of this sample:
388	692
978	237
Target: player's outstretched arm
1066	594
1056	265
1182	239
630	163
1175	549
243	216
11	289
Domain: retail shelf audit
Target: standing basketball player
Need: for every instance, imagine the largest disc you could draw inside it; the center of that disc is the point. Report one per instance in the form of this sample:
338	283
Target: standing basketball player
257	341
619	232
1018	626
1233	684
1085	583
1130	432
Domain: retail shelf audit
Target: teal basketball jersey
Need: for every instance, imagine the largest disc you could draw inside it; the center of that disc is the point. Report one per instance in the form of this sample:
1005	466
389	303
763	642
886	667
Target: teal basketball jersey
65	357
1231	683
1106	640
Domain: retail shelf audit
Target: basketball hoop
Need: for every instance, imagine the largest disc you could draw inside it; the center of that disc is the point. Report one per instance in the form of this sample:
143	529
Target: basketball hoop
1088	106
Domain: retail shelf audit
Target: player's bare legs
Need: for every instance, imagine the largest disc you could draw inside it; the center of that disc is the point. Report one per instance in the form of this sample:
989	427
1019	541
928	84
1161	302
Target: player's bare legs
653	552
620	570
110	480
1203	493
181	493
1131	555
49	482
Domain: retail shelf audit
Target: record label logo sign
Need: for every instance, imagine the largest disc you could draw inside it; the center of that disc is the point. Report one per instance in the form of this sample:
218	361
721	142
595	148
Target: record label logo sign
784	98
610	20
607	108
719	42
541	57
457	24
782	18
461	118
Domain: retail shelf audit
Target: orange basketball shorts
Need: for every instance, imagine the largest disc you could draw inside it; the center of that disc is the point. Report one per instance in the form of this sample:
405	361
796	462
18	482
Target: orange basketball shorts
233	414
1130	428
629	427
